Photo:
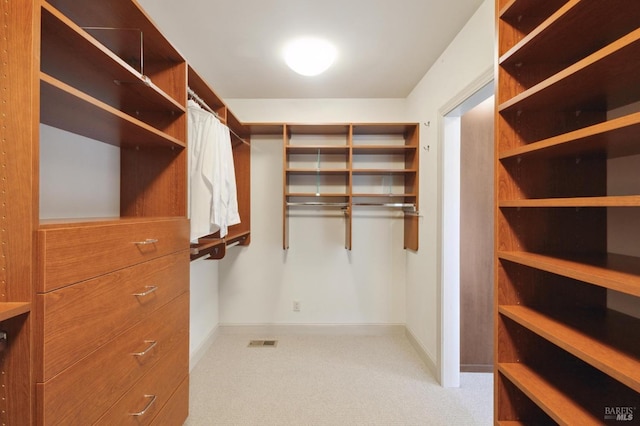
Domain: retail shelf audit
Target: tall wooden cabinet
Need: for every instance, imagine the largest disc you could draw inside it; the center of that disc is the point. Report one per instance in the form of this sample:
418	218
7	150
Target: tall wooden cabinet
352	166
96	309
562	354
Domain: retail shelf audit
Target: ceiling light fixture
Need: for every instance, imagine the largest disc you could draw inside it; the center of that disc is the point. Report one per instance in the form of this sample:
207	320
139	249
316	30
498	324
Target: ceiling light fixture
309	56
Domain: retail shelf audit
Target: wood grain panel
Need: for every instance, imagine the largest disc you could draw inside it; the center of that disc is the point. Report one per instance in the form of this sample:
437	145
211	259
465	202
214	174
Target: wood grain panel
151	392
176	410
74	252
63	402
77	319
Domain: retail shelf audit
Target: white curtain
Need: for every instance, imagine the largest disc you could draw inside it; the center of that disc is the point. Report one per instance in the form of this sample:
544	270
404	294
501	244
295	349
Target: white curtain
213	202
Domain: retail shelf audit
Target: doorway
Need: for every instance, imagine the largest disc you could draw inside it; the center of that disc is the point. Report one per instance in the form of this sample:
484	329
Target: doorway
476	238
451	238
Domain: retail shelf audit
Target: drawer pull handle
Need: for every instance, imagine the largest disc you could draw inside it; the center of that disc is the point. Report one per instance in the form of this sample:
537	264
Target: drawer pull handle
151	289
143	412
153	343
146	242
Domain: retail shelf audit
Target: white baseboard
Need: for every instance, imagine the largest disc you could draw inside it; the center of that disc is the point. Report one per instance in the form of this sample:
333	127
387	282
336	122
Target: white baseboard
202	349
267	330
423	354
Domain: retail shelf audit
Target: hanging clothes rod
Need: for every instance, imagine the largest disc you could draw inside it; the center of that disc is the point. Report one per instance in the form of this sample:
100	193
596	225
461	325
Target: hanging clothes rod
317	204
193	95
397	205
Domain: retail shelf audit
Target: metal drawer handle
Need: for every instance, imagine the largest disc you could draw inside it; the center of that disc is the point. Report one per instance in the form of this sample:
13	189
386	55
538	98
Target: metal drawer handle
146	242
151	346
142	413
151	289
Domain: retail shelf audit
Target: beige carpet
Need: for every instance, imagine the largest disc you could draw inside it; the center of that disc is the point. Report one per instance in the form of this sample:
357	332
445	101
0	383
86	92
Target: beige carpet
329	380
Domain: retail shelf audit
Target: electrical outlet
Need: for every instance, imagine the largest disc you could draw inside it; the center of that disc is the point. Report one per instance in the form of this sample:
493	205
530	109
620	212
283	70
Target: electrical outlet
296	306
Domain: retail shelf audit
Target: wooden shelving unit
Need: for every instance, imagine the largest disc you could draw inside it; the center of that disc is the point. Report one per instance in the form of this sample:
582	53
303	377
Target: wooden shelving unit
80	292
350	166
562	354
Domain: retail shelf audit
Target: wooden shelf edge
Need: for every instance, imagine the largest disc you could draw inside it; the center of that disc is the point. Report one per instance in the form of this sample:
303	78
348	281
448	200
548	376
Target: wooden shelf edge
210	247
613	136
47	224
326	148
615	362
320	171
240	238
613	201
315	195
622	273
385	171
101	113
558	405
533	35
563	79
10	310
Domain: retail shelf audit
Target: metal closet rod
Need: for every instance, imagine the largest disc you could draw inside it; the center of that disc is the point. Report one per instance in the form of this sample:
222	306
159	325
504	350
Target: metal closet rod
331	204
316	203
204	105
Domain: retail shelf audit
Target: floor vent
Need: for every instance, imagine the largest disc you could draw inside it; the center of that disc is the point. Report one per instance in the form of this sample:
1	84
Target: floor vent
263	343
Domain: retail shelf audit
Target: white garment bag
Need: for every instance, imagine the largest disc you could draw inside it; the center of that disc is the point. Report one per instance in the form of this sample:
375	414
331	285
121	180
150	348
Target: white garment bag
213	202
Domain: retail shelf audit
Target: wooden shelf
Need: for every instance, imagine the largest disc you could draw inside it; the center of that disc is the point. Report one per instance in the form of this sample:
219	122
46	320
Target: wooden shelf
314	149
608	341
383	149
404	129
393	195
240	238
214	248
557	403
317	129
121	14
608	75
612	201
614	138
383	171
67	108
98	70
318	171
367	151
316	195
516	11
613	271
265	129
10	310
578	41
568	86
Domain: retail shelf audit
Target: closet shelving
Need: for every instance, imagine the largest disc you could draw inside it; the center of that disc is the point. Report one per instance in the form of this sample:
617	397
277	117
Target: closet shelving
212	246
349	166
562	354
82	293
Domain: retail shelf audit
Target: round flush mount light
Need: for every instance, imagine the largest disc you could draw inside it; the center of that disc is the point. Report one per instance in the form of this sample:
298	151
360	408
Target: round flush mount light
309	56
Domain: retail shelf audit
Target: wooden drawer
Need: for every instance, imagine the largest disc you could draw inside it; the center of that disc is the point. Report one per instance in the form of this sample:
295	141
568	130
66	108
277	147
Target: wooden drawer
86	390
176	411
73	321
74	252
142	403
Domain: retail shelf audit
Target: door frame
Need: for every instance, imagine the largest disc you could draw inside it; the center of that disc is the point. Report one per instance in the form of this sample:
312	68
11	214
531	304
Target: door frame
449	223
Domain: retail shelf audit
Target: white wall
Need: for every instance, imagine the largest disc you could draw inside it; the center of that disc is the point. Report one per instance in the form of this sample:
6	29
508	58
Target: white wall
259	283
469	57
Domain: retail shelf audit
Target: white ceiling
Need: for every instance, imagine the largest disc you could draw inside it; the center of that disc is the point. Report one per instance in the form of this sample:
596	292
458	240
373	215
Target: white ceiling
384	46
